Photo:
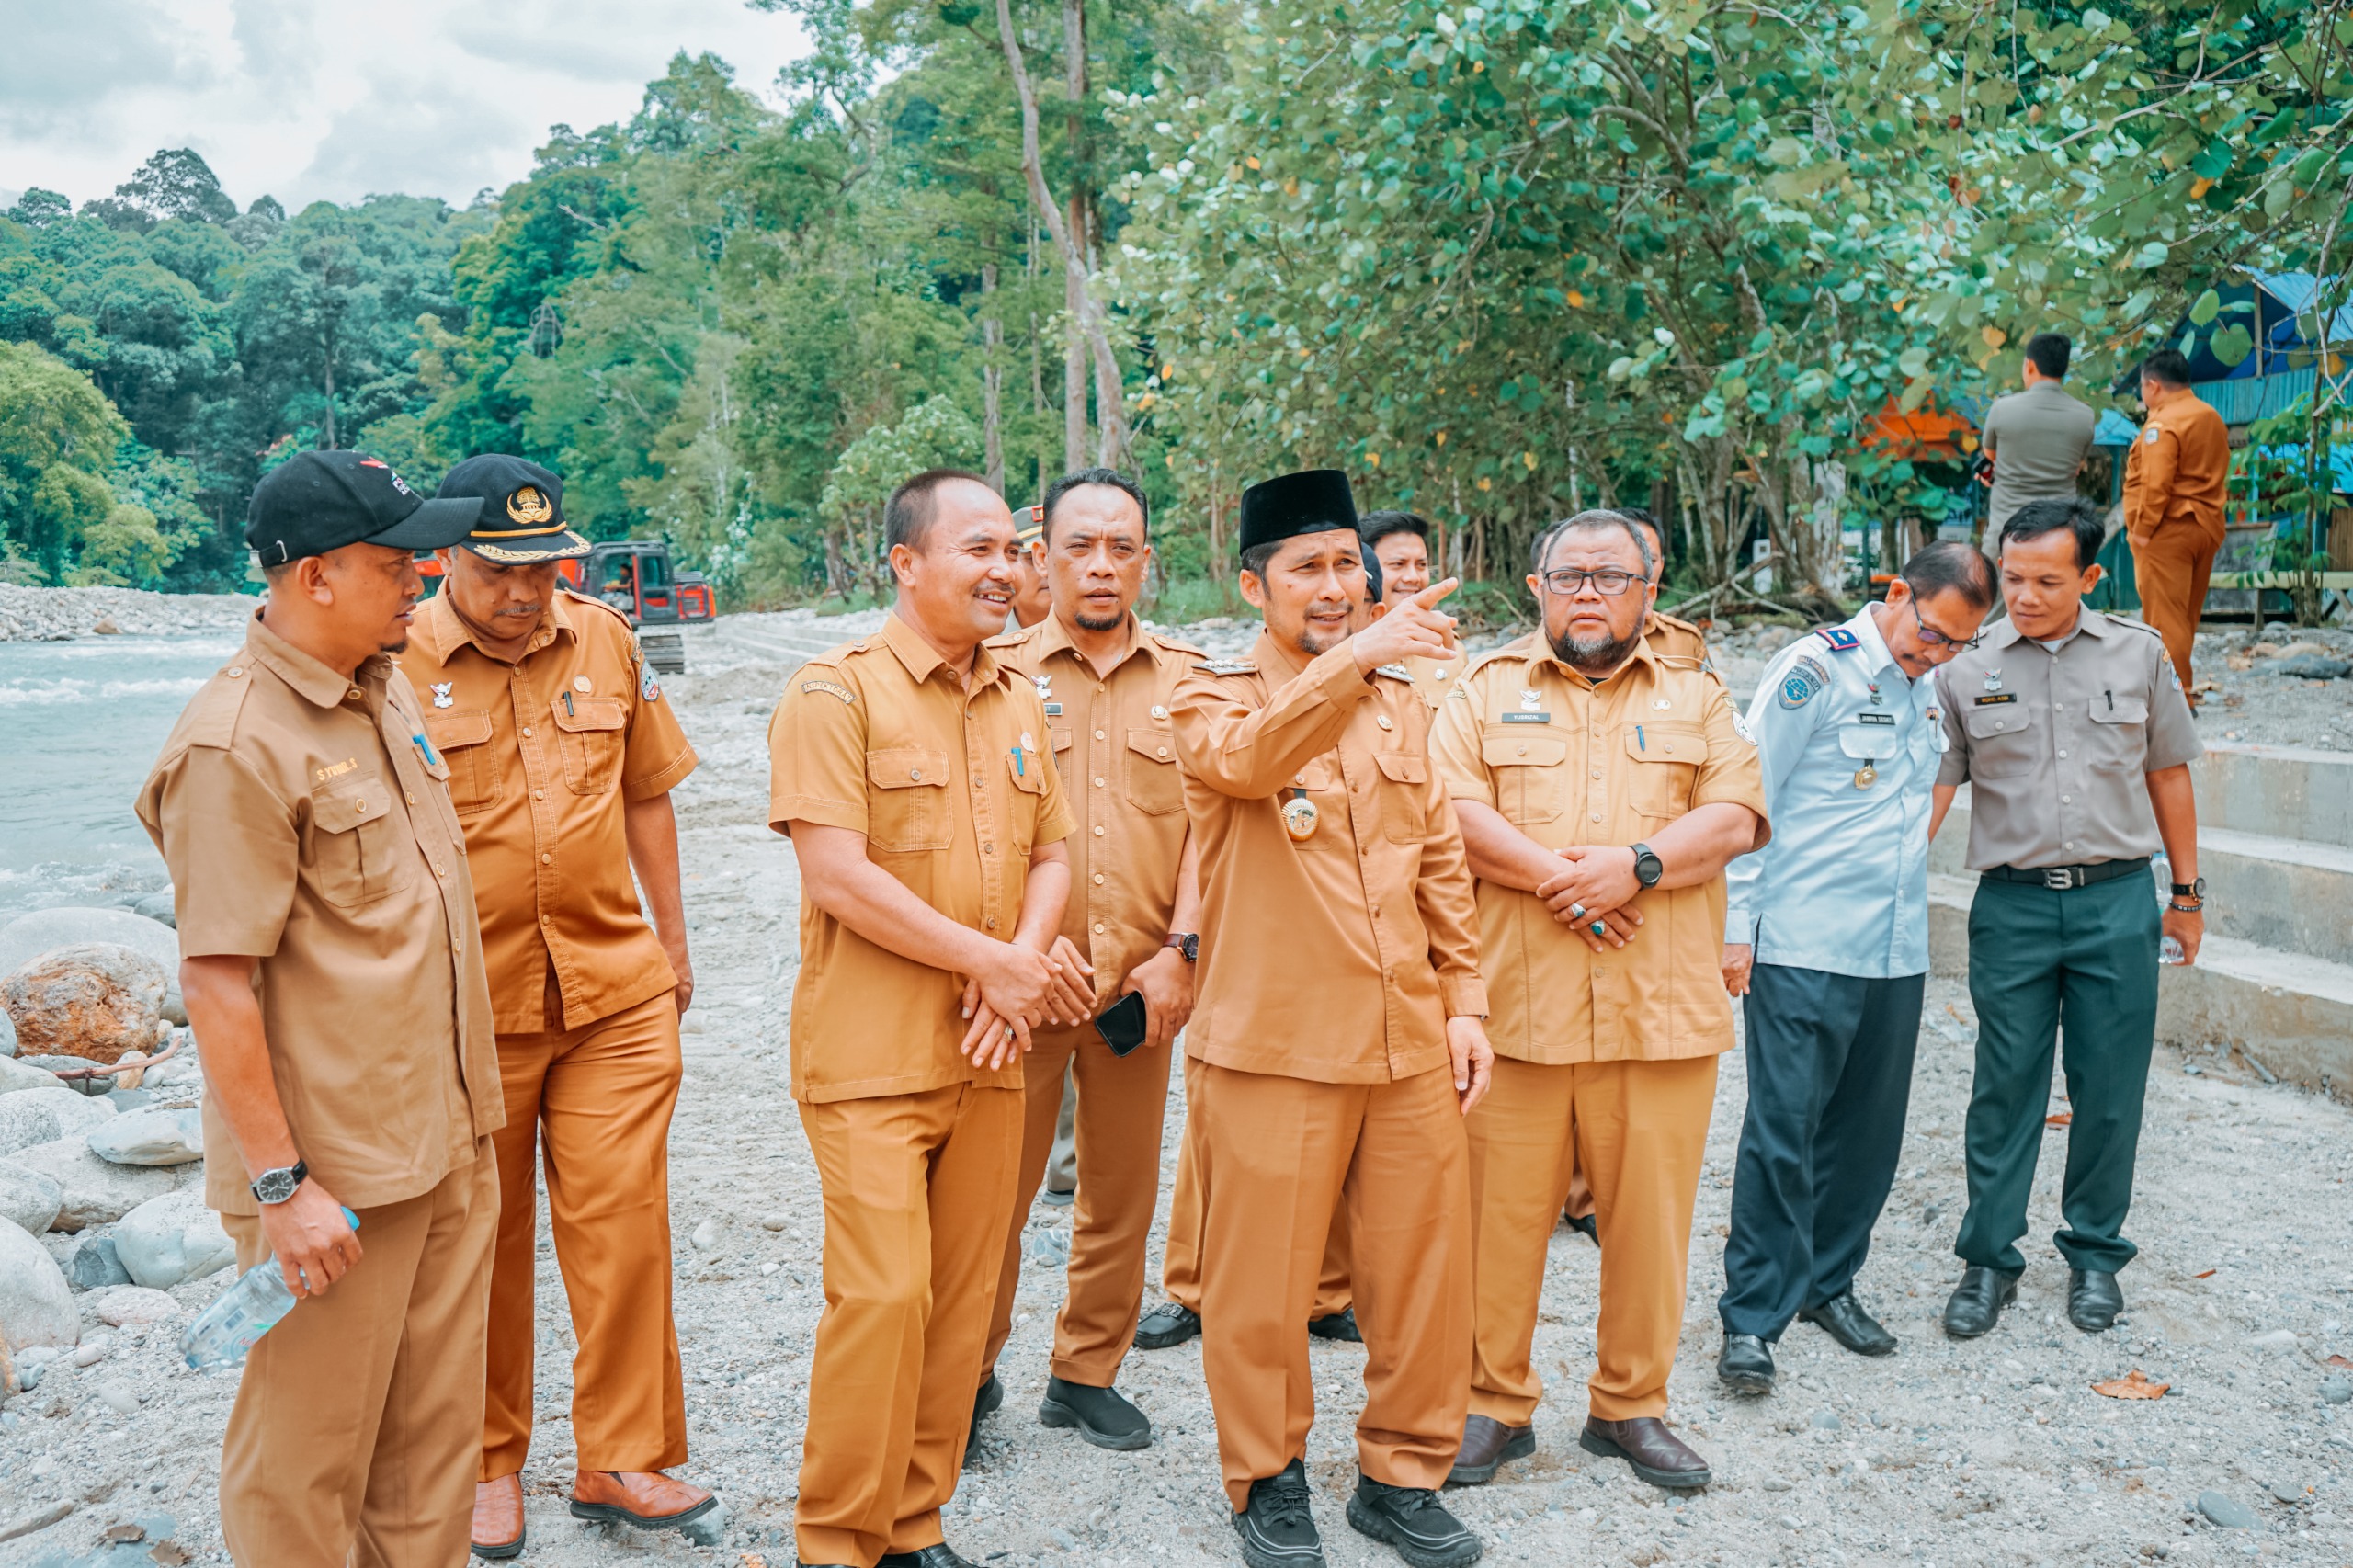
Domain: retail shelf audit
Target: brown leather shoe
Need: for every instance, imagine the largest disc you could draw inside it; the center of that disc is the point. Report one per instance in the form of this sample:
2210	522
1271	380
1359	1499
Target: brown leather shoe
499	1517
1657	1455
646	1498
1486	1444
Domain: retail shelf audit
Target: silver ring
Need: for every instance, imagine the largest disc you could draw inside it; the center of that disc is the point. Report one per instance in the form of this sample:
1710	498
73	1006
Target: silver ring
1008	1031
1577	911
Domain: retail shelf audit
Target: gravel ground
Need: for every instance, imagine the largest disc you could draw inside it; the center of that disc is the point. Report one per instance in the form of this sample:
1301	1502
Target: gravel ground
1990	1452
54	614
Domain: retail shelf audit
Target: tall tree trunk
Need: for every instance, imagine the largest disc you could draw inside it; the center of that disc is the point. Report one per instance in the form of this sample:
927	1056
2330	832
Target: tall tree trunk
1074	373
1038	374
327	364
1075	216
992	380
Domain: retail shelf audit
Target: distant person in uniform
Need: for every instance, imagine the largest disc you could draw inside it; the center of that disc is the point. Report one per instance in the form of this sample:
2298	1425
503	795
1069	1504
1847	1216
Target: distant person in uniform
2069	730
2175	483
333	967
1033	595
563	752
1827	937
2036	438
911	772
1667	636
1397	566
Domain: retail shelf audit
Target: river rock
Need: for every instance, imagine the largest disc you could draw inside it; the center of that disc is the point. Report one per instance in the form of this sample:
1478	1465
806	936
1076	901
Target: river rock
7	1035
2310	666
2226	1511
58	1066
36	1304
16	1074
28	1198
155	1136
28	935
95	999
158	908
127	1305
96	1265
97	1193
43	1115
171	1240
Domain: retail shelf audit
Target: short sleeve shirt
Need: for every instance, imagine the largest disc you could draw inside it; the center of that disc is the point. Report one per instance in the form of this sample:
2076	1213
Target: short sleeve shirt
2055	746
2038	438
1569	762
2178	471
543	756
306	827
951	784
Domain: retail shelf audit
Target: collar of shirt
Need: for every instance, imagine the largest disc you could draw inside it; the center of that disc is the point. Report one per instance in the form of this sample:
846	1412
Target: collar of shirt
312	680
1876	658
444	631
2086	619
1055	638
1540	650
922	659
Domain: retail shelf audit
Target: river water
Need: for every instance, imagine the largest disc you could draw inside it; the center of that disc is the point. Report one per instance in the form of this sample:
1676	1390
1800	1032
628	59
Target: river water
80	725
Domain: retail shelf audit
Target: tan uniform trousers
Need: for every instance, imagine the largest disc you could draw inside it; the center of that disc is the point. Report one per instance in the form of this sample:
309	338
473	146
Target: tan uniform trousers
357	1424
1122	1102
2170	569
1276	1154
919	1191
1181	1261
1638	1131
598	1101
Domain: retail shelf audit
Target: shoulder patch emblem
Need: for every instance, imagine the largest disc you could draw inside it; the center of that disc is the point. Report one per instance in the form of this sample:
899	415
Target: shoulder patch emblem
1228	666
830	690
2173	675
2149	436
1806	676
1740	727
1841	640
647	687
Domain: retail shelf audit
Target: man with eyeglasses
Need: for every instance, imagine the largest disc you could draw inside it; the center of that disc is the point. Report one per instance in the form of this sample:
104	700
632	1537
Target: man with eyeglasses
1601	789
1827	939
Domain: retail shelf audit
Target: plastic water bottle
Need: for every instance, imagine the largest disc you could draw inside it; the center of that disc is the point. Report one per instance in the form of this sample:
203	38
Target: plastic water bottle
244	1312
2169	950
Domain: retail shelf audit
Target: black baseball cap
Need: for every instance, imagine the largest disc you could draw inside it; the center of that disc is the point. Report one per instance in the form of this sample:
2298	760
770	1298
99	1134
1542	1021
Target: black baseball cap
522	521
321	500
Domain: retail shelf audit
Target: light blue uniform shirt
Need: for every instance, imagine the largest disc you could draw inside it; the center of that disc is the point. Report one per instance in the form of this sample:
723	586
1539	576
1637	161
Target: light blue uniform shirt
1843	887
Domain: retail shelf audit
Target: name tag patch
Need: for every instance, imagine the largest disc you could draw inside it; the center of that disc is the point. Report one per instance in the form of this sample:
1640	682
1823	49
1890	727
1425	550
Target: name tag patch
1992	697
1525	718
333	770
1875	719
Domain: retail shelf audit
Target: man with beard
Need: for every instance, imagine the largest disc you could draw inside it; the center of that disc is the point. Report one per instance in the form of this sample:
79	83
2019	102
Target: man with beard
1596	781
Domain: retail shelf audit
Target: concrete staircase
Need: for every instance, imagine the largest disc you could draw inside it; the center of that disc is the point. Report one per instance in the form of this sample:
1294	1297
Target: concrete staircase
2275	978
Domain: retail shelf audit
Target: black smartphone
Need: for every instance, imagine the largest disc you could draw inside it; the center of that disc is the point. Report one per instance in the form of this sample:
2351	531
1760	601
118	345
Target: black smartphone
1124	1024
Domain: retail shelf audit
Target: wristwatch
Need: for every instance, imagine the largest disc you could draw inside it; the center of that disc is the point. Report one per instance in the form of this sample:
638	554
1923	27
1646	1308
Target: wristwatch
277	1186
2196	890
1188	943
1648	868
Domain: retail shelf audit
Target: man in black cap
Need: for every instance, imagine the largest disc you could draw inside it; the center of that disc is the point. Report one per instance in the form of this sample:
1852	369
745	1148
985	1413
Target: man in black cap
1329	850
563	752
331	961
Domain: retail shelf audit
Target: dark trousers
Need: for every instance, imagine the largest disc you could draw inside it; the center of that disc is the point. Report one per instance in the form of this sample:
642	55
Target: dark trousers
2042	960
1830	1078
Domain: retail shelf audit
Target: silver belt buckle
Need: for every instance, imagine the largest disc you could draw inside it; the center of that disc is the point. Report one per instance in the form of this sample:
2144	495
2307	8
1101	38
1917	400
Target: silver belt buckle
2059	877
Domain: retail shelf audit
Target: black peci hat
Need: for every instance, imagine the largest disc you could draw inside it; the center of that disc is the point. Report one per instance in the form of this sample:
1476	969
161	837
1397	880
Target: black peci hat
1308	502
522	521
315	502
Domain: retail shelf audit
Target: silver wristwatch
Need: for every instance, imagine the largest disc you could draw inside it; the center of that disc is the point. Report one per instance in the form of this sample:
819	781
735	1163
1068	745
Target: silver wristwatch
277	1186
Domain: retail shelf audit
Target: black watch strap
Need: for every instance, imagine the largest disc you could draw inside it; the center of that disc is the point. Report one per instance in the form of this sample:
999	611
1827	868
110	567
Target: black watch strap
277	1187
2196	890
1648	868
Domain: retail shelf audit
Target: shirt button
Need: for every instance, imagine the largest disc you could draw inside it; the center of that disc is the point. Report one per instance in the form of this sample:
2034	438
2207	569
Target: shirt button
1523	751
527	731
354	694
992	922
1099	781
547	859
1597	816
1098	927
412	799
2069	845
1597	773
1099	735
1164	751
1099	830
2066	799
539	794
1098	879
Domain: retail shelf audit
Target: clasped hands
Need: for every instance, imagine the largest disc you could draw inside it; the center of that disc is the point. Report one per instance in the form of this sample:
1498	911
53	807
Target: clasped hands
1590	894
1019	989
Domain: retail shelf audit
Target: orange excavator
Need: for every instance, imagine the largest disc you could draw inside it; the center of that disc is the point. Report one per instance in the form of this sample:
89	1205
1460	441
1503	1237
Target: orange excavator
635	577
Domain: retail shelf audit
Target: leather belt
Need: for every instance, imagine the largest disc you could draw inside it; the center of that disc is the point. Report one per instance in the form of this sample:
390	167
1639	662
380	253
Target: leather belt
2061	877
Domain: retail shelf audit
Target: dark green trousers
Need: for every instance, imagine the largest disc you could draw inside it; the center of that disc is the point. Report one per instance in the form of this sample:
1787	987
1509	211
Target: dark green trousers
2042	960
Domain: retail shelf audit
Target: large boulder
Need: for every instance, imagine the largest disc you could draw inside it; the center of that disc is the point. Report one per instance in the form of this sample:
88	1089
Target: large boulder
45	1115
7	1035
94	999
28	1198
153	1135
171	1240
29	936
16	1074
97	1192
36	1304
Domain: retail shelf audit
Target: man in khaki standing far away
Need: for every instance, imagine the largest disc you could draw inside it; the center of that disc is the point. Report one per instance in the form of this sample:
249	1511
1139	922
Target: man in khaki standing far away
563	752
332	969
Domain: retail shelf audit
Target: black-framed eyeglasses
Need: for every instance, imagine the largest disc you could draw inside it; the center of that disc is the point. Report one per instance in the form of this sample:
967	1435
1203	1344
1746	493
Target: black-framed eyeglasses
1609	581
1935	639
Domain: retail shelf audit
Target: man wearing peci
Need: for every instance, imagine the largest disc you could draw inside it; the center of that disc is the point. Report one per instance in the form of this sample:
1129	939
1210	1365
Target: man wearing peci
1831	952
909	770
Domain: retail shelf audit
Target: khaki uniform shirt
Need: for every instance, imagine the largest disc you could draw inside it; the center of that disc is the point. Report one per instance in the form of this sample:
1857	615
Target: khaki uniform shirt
952	789
1568	762
2054	746
304	827
1115	756
1679	643
2178	471
2039	439
1433	678
1337	958
542	754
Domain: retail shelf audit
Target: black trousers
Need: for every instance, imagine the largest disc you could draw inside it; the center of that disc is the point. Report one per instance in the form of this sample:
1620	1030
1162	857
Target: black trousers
1829	1079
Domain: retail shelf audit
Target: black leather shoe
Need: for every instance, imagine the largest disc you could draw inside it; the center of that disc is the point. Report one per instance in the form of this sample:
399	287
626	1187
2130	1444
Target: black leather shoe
1486	1444
1166	1325
1101	1416
1746	1364
1842	1317
940	1556
1412	1519
987	1400
1340	1325
1278	1528
1657	1455
1977	1301
2093	1300
1583	1222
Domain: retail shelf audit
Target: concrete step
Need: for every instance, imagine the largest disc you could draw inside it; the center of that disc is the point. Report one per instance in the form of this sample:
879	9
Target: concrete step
2290	1012
2291	792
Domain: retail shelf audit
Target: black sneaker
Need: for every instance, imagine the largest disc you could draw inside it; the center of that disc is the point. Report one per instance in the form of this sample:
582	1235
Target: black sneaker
1412	1519
1102	1416
1166	1325
1278	1528
1340	1325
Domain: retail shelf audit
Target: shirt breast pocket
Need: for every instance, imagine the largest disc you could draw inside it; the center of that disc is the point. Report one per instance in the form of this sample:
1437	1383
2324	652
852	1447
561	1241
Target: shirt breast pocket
1666	760
589	735
1868	743
1526	769
2001	739
907	799
1025	771
359	851
2121	731
463	740
1404	791
1153	786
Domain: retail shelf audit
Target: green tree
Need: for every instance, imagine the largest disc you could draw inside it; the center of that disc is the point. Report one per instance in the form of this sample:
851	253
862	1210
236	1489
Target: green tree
58	437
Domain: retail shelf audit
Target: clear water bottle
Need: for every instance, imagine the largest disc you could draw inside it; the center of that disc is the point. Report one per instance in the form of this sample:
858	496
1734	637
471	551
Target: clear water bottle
242	1314
2169	950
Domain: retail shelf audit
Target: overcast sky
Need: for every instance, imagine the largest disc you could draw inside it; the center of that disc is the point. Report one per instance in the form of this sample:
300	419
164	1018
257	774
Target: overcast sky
304	100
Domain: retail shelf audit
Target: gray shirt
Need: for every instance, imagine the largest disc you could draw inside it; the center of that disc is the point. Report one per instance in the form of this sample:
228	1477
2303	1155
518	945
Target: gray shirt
2055	745
2038	438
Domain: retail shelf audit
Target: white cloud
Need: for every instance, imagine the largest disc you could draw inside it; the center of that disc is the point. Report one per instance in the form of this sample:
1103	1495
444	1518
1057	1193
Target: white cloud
305	99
